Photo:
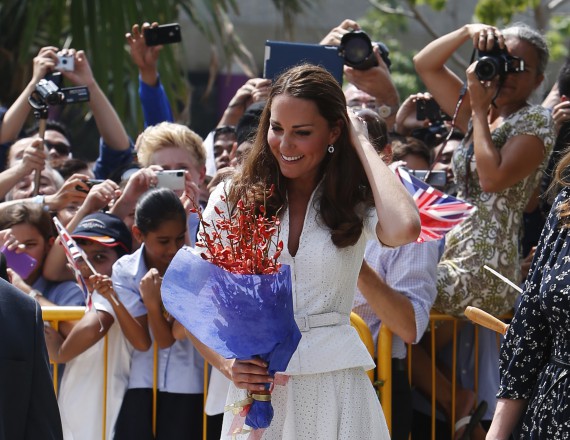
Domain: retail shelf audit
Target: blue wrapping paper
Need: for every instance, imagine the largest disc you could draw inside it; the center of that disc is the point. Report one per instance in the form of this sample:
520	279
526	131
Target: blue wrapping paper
238	316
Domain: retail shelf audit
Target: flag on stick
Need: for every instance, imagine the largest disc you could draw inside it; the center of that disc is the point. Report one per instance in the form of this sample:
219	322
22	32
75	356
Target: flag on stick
439	212
75	255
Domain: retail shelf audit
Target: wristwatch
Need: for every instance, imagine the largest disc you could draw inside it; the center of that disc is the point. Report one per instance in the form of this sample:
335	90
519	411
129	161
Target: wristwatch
386	111
34	293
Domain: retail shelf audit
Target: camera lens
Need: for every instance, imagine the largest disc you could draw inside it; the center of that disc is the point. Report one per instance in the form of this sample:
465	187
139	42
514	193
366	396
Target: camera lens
487	68
356	50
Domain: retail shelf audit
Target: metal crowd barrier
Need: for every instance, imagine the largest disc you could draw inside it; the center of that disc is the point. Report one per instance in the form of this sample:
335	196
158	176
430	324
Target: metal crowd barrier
383	369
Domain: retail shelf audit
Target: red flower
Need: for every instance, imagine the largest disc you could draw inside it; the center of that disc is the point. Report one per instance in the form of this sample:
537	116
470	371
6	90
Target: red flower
242	243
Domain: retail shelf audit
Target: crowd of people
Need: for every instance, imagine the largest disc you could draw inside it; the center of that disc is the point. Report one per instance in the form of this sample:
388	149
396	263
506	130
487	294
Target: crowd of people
349	230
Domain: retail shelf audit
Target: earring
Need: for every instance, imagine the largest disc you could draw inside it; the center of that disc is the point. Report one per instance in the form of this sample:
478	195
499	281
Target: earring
330	149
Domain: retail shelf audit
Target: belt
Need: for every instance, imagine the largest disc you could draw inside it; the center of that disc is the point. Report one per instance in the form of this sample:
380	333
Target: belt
307	322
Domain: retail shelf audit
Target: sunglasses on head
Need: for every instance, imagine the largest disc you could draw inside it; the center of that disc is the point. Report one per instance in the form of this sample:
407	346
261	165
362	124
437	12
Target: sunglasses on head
59	147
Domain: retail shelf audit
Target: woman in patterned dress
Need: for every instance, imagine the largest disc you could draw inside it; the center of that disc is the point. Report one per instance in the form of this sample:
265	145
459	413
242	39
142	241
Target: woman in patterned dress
497	166
535	356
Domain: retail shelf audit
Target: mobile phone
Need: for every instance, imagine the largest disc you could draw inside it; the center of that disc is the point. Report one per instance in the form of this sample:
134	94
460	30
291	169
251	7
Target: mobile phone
65	62
20	262
429	109
436	178
90	183
173	179
164	34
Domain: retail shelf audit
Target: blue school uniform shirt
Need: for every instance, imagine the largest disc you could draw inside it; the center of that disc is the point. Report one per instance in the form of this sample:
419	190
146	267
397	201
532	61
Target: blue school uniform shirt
65	293
180	366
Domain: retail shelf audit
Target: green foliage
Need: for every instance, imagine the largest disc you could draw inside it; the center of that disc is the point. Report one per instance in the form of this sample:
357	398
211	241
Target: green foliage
558	36
501	12
387	28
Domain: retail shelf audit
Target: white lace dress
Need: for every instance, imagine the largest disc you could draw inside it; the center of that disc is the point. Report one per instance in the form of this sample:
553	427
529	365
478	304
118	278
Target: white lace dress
328	395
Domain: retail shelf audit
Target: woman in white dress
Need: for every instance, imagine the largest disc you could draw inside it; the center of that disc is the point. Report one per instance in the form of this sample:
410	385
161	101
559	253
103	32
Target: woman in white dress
333	193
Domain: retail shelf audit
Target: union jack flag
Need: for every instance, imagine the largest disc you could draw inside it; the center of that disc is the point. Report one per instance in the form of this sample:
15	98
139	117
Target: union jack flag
439	212
75	255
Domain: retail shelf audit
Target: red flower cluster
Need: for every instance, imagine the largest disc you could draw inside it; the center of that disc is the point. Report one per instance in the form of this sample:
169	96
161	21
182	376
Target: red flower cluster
243	242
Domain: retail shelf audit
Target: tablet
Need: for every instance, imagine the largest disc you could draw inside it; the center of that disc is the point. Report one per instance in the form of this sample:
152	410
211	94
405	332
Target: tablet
282	55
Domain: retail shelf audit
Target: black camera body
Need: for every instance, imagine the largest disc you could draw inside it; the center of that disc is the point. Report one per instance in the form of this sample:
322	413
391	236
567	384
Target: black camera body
429	109
356	49
497	62
49	91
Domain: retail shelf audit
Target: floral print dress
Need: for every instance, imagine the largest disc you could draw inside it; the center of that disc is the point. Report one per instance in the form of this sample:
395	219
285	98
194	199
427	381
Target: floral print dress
491	235
535	356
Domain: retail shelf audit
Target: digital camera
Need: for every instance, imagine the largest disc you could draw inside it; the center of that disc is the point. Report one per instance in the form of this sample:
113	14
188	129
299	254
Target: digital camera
497	62
49	91
65	62
356	49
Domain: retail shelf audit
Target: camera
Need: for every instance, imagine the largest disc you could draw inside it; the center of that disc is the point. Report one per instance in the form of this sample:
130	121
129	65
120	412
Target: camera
49	92
173	179
65	62
356	49
497	62
429	109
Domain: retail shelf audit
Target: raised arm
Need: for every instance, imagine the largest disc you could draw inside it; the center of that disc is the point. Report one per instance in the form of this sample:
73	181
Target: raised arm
108	123
440	81
155	104
16	116
398	217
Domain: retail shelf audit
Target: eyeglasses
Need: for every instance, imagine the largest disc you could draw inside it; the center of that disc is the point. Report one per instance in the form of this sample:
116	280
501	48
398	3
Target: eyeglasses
61	148
360	105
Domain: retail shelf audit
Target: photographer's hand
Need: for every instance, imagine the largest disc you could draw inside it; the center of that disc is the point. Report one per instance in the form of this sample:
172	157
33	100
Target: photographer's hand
99	196
44	63
255	89
137	185
377	82
145	57
108	123
68	193
334	36
406	118
15	117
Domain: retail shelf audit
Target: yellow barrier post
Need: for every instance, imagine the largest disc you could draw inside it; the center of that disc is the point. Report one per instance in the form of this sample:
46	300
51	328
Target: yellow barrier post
384	366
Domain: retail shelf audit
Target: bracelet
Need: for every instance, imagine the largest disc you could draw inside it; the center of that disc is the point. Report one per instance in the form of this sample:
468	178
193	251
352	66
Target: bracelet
34	293
40	200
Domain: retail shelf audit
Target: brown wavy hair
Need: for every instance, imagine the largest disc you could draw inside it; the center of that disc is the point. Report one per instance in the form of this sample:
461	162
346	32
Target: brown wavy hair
344	183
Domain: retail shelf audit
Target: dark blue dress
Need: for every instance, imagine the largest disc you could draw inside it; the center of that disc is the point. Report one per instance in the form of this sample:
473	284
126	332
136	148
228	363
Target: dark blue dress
535	356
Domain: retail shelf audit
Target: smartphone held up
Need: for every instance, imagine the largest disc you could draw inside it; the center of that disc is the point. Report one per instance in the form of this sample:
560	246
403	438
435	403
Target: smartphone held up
163	34
20	262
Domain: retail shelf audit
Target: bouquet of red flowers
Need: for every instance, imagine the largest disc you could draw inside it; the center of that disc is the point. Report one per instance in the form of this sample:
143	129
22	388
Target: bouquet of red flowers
234	296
